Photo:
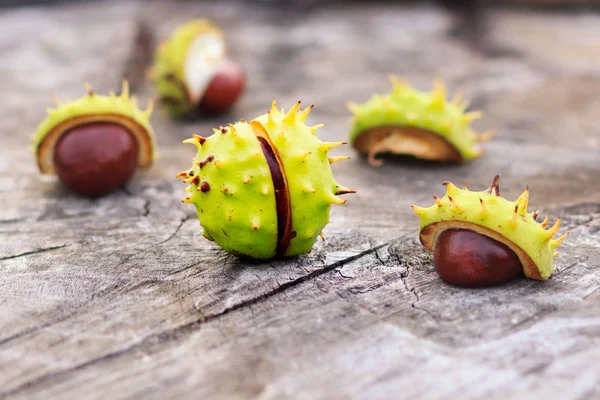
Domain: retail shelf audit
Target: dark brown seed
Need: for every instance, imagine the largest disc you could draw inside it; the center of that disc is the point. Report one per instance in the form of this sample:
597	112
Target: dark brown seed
95	159
224	89
469	259
281	197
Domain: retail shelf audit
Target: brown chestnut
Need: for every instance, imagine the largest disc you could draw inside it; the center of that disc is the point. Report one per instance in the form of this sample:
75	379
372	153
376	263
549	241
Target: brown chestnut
224	89
469	259
96	158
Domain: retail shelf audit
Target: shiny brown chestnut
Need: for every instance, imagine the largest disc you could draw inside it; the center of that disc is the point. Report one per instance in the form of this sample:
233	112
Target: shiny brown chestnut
193	74
95	143
224	89
469	259
96	158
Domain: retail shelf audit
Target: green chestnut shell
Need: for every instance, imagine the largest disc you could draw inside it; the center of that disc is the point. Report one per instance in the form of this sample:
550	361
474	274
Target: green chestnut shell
264	188
420	124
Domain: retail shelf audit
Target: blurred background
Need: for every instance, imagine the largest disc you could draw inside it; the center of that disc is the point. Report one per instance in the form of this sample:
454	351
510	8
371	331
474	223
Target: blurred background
550	3
301	3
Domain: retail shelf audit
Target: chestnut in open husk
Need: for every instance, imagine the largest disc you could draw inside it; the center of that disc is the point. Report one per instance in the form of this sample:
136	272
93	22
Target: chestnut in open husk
95	143
481	239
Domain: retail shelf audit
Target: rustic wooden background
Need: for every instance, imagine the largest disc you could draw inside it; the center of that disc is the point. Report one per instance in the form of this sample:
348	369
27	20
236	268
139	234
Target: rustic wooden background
121	297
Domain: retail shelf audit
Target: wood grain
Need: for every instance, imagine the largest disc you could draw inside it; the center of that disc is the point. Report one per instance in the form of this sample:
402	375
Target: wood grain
121	297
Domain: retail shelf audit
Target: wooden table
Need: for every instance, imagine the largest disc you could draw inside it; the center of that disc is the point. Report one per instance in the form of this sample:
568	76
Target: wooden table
121	297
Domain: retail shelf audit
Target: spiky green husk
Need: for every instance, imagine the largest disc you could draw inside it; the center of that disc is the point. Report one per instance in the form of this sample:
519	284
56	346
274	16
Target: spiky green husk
238	211
508	219
97	108
406	106
237	207
168	72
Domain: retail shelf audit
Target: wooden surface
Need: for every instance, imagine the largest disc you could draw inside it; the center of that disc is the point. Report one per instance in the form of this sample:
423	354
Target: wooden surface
122	297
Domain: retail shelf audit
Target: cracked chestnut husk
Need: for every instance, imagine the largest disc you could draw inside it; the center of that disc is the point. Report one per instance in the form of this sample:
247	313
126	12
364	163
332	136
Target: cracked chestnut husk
264	188
95	143
420	124
481	239
193	74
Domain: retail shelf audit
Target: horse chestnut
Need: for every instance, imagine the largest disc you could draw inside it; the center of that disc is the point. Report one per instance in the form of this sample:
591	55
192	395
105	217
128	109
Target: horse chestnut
466	258
264	188
482	239
95	143
226	86
96	158
192	73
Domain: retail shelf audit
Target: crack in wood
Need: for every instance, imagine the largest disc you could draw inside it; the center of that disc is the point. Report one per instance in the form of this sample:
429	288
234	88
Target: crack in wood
564	269
181	223
537	368
37	251
12	220
35	329
339	271
146	209
177	271
362	289
403	278
535	316
284	286
591	293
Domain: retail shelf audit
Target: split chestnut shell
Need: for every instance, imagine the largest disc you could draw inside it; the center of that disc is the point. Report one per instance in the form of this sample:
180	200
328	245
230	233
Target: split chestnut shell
420	124
264	188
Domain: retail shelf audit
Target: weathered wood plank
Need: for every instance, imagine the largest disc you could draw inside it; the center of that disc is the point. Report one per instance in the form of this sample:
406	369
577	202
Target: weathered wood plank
369	339
122	297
